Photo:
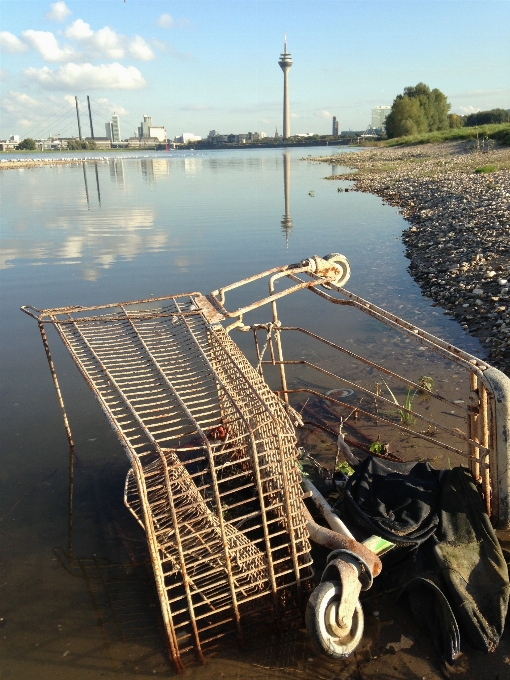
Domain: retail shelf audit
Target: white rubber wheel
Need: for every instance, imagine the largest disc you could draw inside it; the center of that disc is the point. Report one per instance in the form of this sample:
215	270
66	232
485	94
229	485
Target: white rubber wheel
345	266
321	625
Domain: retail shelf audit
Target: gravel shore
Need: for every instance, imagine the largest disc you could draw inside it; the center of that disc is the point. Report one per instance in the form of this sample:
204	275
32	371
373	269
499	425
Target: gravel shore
459	239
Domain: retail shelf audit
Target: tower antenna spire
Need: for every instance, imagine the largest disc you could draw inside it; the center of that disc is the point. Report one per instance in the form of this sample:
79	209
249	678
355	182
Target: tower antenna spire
285	63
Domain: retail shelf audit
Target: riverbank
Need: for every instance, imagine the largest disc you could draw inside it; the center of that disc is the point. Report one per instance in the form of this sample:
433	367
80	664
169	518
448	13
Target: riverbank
457	201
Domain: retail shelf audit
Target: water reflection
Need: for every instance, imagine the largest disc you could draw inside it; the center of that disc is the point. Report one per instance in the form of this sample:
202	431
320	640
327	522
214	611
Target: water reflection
86	185
117	171
286	220
154	169
97	185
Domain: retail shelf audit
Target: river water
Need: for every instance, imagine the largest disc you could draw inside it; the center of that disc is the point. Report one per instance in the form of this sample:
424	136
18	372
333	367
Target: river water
126	228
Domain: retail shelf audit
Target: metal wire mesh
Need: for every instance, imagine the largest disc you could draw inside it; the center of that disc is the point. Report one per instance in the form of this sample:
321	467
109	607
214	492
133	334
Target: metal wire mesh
214	478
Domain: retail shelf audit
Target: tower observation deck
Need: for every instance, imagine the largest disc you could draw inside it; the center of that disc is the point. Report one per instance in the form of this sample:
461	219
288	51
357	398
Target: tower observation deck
285	63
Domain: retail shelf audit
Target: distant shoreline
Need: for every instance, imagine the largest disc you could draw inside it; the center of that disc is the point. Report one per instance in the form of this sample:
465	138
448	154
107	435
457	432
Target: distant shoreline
196	147
63	157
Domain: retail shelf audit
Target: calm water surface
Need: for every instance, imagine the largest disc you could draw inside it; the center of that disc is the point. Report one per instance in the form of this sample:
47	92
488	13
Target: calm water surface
128	228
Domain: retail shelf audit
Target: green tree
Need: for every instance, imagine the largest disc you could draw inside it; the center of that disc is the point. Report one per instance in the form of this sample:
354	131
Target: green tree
455	120
419	109
486	117
27	144
81	144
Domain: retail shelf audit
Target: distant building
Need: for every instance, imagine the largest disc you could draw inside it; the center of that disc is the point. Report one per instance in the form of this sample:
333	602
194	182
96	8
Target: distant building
112	129
8	145
102	142
146	124
158	131
335	127
187	137
14	138
379	114
143	142
115	129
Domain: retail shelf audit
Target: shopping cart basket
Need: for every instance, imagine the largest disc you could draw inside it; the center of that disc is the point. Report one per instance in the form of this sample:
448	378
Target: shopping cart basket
215	480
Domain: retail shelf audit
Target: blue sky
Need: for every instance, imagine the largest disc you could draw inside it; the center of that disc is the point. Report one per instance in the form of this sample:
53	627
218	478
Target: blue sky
196	66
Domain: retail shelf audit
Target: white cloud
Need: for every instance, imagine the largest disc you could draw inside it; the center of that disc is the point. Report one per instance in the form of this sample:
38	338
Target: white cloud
111	106
139	49
58	12
183	23
17	103
10	43
323	114
465	110
165	21
86	76
160	45
182	56
294	115
481	93
106	42
79	30
196	107
47	45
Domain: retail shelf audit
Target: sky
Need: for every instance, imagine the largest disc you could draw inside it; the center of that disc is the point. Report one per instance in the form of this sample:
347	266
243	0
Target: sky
196	66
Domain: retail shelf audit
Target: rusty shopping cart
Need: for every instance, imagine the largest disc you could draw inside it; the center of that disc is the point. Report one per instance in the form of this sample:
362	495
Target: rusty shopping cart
215	479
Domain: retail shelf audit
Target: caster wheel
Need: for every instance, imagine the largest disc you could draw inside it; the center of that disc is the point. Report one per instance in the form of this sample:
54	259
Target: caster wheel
321	617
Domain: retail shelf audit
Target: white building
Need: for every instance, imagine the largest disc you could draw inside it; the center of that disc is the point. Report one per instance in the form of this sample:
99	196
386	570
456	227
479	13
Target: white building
115	128
379	114
158	132
112	129
187	137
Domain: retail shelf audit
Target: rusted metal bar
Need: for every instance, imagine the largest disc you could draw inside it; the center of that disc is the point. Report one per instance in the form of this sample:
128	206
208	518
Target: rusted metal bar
484	438
382	369
474	462
423	337
56	385
458	435
255	465
385	420
149	528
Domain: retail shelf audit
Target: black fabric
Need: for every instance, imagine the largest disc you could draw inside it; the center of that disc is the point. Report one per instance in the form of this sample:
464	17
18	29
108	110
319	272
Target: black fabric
394	500
443	537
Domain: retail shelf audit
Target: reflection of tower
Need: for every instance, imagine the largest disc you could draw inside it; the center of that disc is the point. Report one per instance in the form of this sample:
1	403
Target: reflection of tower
285	64
286	220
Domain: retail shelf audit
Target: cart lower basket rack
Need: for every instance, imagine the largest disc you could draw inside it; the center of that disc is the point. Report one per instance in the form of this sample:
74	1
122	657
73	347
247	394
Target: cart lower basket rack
215	480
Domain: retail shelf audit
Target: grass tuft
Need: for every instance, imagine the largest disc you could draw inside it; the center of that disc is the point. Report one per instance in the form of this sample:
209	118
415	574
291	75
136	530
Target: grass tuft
486	168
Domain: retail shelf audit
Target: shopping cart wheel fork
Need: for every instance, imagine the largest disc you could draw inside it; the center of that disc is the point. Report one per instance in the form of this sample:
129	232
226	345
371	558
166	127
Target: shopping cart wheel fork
334	617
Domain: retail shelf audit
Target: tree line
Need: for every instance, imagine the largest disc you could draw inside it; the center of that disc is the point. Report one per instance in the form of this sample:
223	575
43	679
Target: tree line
420	109
29	144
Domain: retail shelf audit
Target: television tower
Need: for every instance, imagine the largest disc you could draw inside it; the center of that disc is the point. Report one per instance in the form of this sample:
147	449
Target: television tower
285	64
